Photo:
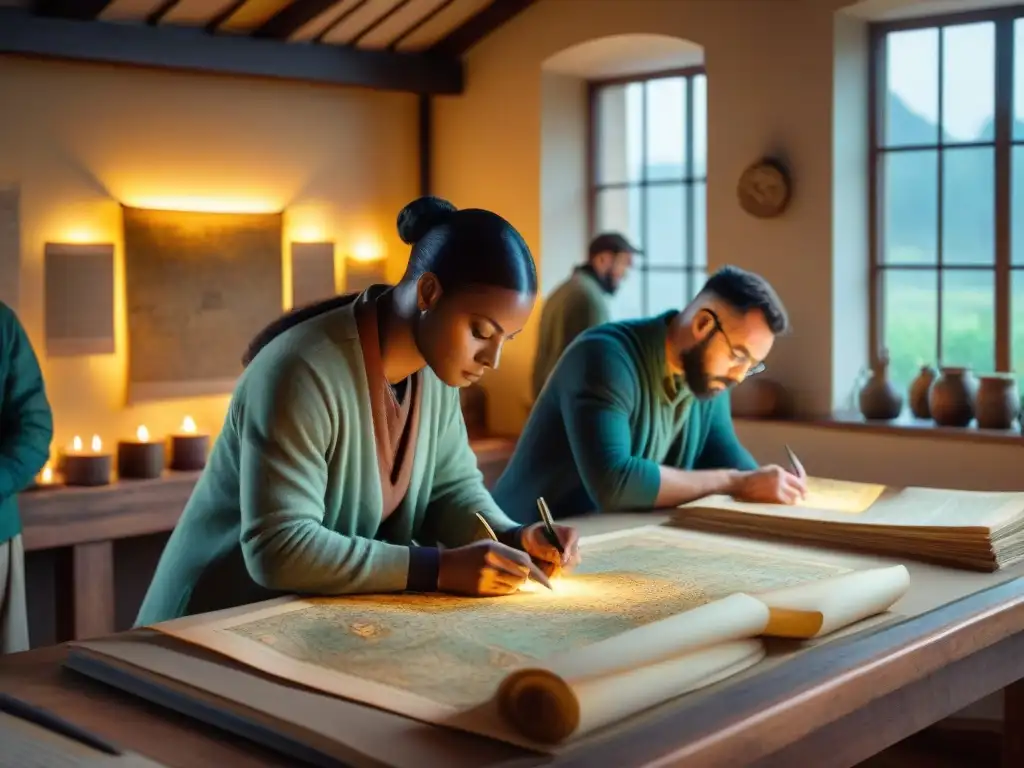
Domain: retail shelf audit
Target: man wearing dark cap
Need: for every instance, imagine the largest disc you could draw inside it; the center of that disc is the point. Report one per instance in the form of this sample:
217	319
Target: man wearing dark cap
581	302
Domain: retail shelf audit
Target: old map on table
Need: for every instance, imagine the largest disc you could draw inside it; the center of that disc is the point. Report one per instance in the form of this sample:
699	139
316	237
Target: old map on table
432	656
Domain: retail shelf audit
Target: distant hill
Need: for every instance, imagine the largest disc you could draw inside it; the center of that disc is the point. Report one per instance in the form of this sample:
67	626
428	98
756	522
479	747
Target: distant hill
968	184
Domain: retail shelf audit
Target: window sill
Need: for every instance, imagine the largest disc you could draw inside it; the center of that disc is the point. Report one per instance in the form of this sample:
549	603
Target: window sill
907	426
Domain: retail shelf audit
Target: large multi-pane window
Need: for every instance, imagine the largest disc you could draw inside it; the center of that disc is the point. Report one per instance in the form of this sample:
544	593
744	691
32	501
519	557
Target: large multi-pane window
649	181
948	213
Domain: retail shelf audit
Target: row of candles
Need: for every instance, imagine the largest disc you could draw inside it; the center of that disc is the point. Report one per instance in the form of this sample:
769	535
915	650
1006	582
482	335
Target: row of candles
139	459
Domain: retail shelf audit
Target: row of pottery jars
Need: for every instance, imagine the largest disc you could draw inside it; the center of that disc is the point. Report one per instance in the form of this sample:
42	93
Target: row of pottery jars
952	397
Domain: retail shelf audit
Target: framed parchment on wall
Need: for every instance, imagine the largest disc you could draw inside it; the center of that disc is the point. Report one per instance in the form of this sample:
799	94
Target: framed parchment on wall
199	286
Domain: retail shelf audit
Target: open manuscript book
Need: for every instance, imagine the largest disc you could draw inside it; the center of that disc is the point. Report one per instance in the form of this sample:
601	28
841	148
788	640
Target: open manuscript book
650	614
967	529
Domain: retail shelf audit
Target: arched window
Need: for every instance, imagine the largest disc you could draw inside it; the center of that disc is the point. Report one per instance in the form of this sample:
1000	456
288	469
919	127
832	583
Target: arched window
648	180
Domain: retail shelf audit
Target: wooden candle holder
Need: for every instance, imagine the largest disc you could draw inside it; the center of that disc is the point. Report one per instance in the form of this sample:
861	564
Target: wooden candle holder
188	452
87	468
139	460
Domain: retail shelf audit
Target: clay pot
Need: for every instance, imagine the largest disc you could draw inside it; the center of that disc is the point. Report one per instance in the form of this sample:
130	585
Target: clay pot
879	399
998	401
919	387
760	398
952	396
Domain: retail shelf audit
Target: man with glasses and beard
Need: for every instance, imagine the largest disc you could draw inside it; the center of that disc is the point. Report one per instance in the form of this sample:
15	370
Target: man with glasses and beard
636	413
581	302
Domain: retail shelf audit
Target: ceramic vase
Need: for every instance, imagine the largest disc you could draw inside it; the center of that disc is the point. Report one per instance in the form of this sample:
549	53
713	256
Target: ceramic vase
760	398
918	395
952	396
998	401
879	399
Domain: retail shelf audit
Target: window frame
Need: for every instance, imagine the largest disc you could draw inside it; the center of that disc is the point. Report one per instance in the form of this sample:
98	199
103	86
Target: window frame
593	149
1002	144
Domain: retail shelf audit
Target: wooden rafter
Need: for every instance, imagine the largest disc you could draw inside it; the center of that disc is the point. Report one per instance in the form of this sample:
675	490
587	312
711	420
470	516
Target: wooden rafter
378	21
193	50
214	24
479	26
291	18
419	23
157	15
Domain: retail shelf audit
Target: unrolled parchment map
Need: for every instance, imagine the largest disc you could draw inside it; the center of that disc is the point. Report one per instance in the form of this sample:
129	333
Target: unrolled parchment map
438	654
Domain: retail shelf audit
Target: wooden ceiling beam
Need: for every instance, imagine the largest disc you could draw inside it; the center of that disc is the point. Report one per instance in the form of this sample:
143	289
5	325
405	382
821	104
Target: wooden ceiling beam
157	15
291	18
479	26
214	24
83	10
193	50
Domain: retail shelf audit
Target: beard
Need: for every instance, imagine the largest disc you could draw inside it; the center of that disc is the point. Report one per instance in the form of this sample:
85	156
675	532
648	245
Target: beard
696	375
608	284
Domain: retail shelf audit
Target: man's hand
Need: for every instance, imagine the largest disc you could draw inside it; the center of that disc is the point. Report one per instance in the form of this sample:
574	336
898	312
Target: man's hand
484	568
770	484
535	542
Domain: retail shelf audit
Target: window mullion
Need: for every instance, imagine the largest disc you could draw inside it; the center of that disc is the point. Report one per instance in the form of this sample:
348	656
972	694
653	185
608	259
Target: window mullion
644	298
690	241
940	188
1003	191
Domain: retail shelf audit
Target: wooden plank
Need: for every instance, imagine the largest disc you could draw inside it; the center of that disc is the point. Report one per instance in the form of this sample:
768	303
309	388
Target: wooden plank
479	26
291	18
193	50
65	517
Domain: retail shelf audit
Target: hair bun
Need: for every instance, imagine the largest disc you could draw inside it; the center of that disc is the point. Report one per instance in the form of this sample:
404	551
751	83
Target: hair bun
422	215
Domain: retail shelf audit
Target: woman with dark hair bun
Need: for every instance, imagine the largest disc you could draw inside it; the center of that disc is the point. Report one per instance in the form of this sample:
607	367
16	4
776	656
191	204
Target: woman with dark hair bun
343	465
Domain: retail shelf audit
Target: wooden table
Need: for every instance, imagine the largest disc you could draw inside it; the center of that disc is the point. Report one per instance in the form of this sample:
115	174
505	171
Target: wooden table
833	706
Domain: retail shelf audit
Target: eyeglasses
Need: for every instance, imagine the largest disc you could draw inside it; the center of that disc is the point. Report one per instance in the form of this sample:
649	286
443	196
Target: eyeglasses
739	357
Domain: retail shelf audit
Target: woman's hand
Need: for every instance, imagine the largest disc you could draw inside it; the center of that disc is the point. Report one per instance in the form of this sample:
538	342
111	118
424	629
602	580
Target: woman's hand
485	568
535	542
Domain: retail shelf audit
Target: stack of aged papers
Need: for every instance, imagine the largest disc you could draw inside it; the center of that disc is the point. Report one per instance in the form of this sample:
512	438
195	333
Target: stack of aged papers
965	529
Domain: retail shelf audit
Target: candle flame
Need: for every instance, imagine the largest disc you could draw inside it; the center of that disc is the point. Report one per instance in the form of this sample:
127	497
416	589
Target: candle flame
46	476
97	444
76	444
142	434
188	426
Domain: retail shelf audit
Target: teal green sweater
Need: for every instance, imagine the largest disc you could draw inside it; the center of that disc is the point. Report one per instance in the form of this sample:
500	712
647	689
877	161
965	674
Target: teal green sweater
576	305
607	418
290	500
26	421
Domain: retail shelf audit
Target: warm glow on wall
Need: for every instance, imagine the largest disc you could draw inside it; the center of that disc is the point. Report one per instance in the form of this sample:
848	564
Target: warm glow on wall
81	235
308	233
367	249
198	204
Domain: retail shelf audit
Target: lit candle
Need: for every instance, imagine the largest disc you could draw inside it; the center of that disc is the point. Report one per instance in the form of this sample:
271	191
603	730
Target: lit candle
188	447
86	467
140	459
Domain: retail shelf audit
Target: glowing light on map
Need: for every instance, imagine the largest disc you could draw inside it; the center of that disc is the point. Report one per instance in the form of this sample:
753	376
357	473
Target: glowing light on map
564	586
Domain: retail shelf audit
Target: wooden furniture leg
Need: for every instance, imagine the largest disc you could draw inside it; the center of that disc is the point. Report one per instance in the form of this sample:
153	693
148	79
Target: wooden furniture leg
1013	725
85	591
